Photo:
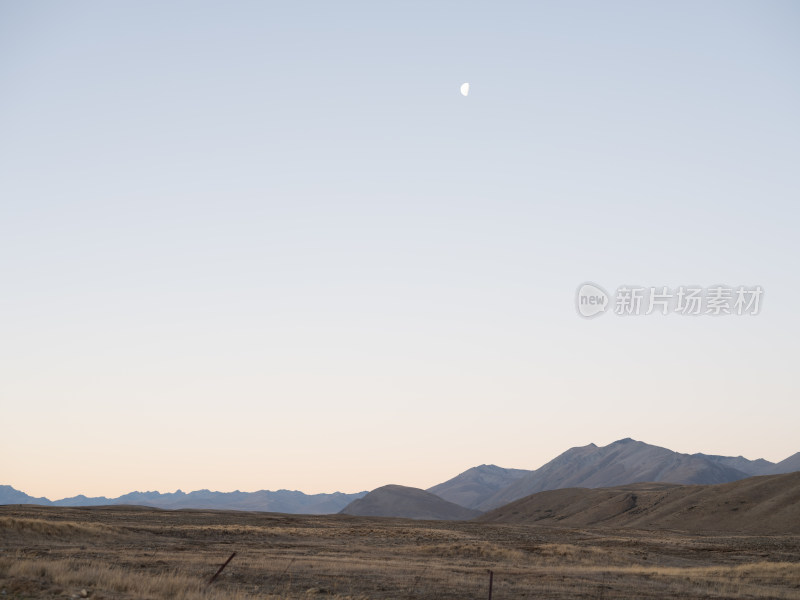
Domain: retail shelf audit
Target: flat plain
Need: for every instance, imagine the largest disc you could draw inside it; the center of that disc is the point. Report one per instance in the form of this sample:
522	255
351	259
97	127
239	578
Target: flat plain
124	552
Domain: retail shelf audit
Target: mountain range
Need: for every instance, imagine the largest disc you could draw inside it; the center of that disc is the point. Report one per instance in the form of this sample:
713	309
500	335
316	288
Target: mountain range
475	491
281	501
622	462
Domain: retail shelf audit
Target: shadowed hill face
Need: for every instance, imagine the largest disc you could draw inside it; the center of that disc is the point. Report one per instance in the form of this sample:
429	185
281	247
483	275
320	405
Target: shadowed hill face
766	504
476	485
409	503
623	462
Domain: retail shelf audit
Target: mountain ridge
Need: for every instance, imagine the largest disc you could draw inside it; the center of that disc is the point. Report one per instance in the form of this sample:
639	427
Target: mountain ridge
285	501
483	488
473	486
787	465
622	462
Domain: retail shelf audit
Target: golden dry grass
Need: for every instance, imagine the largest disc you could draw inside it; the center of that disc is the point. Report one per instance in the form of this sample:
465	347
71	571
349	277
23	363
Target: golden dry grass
65	574
123	553
42	527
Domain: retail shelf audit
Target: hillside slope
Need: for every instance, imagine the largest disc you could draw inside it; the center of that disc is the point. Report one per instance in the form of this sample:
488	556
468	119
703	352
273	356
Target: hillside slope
765	504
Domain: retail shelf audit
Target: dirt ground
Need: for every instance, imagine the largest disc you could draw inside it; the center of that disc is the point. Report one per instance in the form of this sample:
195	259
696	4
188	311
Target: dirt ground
129	552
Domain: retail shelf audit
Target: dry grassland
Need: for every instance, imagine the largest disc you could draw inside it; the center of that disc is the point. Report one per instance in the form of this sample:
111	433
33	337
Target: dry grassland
126	552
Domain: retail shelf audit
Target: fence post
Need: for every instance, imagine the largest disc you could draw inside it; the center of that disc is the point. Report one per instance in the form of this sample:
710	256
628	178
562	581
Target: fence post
491	579
225	564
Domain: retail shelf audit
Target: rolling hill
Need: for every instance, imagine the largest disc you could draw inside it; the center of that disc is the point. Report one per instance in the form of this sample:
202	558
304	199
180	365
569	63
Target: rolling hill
764	504
409	503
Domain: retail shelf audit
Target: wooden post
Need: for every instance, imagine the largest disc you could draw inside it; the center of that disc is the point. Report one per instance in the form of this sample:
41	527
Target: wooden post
491	578
225	564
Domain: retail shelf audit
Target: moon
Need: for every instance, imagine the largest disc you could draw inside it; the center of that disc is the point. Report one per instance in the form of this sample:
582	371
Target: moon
464	89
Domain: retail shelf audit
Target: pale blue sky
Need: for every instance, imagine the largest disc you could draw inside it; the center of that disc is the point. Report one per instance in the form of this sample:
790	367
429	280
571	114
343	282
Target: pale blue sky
253	245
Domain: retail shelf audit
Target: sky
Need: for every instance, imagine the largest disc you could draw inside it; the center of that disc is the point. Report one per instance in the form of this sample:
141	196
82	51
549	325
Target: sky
263	245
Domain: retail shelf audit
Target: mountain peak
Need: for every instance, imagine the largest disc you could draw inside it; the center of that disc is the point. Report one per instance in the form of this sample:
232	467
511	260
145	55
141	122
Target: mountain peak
477	484
622	462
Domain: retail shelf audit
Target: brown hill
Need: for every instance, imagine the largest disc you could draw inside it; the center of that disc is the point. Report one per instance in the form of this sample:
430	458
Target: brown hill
765	504
407	502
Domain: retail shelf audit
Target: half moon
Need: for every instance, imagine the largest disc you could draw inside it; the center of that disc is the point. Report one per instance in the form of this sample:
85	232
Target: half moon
464	89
